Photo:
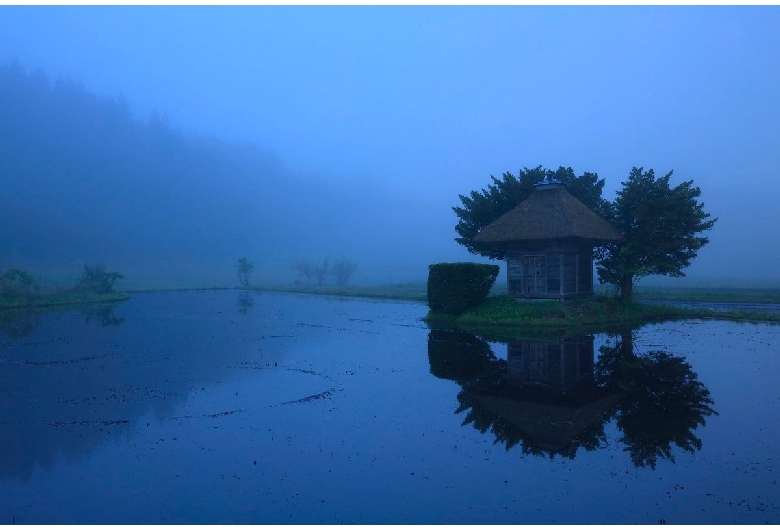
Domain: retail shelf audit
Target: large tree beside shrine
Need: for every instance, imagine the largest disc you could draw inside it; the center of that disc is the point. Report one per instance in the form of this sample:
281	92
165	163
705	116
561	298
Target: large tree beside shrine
661	224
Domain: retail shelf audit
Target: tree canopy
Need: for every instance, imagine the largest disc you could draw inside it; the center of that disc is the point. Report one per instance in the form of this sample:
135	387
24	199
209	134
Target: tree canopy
661	225
97	279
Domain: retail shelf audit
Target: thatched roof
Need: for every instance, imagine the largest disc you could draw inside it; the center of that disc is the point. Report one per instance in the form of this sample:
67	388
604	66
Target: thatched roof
550	212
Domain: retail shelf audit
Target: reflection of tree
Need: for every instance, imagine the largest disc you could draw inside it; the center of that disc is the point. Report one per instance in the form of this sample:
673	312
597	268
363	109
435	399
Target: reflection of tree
662	403
655	398
17	325
245	302
459	356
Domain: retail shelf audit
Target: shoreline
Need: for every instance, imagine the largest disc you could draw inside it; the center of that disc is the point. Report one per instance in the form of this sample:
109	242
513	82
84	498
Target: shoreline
503	316
63	299
498	310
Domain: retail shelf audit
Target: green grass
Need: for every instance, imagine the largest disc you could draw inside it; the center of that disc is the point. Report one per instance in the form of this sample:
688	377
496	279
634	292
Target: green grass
417	291
502	316
401	291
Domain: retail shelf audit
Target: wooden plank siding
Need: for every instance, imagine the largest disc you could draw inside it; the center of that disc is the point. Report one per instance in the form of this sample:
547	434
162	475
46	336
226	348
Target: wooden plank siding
549	272
585	270
570	273
514	276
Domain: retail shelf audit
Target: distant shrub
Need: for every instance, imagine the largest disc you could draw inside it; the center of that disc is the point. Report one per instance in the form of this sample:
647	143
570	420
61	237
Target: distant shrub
97	280
454	288
16	283
343	271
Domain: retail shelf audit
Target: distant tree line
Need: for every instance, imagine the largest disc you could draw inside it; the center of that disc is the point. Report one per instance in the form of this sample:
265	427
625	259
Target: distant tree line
80	172
306	271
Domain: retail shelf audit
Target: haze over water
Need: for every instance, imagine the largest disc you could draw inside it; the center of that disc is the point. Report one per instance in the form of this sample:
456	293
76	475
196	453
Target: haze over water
369	121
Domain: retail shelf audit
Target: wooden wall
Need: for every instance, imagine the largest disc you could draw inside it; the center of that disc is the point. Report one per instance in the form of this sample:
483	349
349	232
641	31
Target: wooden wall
549	271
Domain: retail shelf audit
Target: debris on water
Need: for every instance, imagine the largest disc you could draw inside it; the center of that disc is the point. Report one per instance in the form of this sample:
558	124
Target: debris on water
226	413
321	395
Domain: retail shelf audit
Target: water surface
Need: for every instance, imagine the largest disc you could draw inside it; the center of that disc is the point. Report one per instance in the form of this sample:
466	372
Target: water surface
230	407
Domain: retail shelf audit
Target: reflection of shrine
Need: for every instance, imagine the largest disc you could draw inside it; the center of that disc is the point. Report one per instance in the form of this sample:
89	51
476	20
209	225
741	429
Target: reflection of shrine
544	395
550	394
559	366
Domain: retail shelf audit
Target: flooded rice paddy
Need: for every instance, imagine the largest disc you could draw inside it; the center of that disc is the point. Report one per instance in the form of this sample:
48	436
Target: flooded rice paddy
231	407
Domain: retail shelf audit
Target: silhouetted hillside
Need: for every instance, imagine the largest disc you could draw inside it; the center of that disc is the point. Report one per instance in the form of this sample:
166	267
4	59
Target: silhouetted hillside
84	181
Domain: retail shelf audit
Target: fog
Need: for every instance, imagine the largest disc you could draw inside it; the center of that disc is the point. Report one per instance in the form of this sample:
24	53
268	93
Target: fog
169	141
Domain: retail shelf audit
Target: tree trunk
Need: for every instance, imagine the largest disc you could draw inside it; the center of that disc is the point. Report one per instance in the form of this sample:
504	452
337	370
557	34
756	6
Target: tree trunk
626	288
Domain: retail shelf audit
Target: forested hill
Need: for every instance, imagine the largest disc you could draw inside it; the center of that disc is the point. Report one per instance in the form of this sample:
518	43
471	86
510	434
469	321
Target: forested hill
84	181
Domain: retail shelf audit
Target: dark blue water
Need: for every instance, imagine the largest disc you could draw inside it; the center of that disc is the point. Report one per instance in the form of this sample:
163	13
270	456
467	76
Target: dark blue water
223	407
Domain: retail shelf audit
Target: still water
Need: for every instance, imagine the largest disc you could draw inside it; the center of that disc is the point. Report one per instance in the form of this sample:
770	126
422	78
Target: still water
231	407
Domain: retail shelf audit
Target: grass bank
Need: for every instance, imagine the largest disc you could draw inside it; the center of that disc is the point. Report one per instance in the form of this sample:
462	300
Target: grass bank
61	298
587	315
714	295
400	291
419	291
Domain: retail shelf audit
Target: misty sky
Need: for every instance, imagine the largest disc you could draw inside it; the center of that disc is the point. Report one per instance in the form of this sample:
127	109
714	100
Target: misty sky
428	102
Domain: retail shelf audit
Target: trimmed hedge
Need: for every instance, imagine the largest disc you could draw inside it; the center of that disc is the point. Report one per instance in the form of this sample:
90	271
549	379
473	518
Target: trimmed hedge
454	288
